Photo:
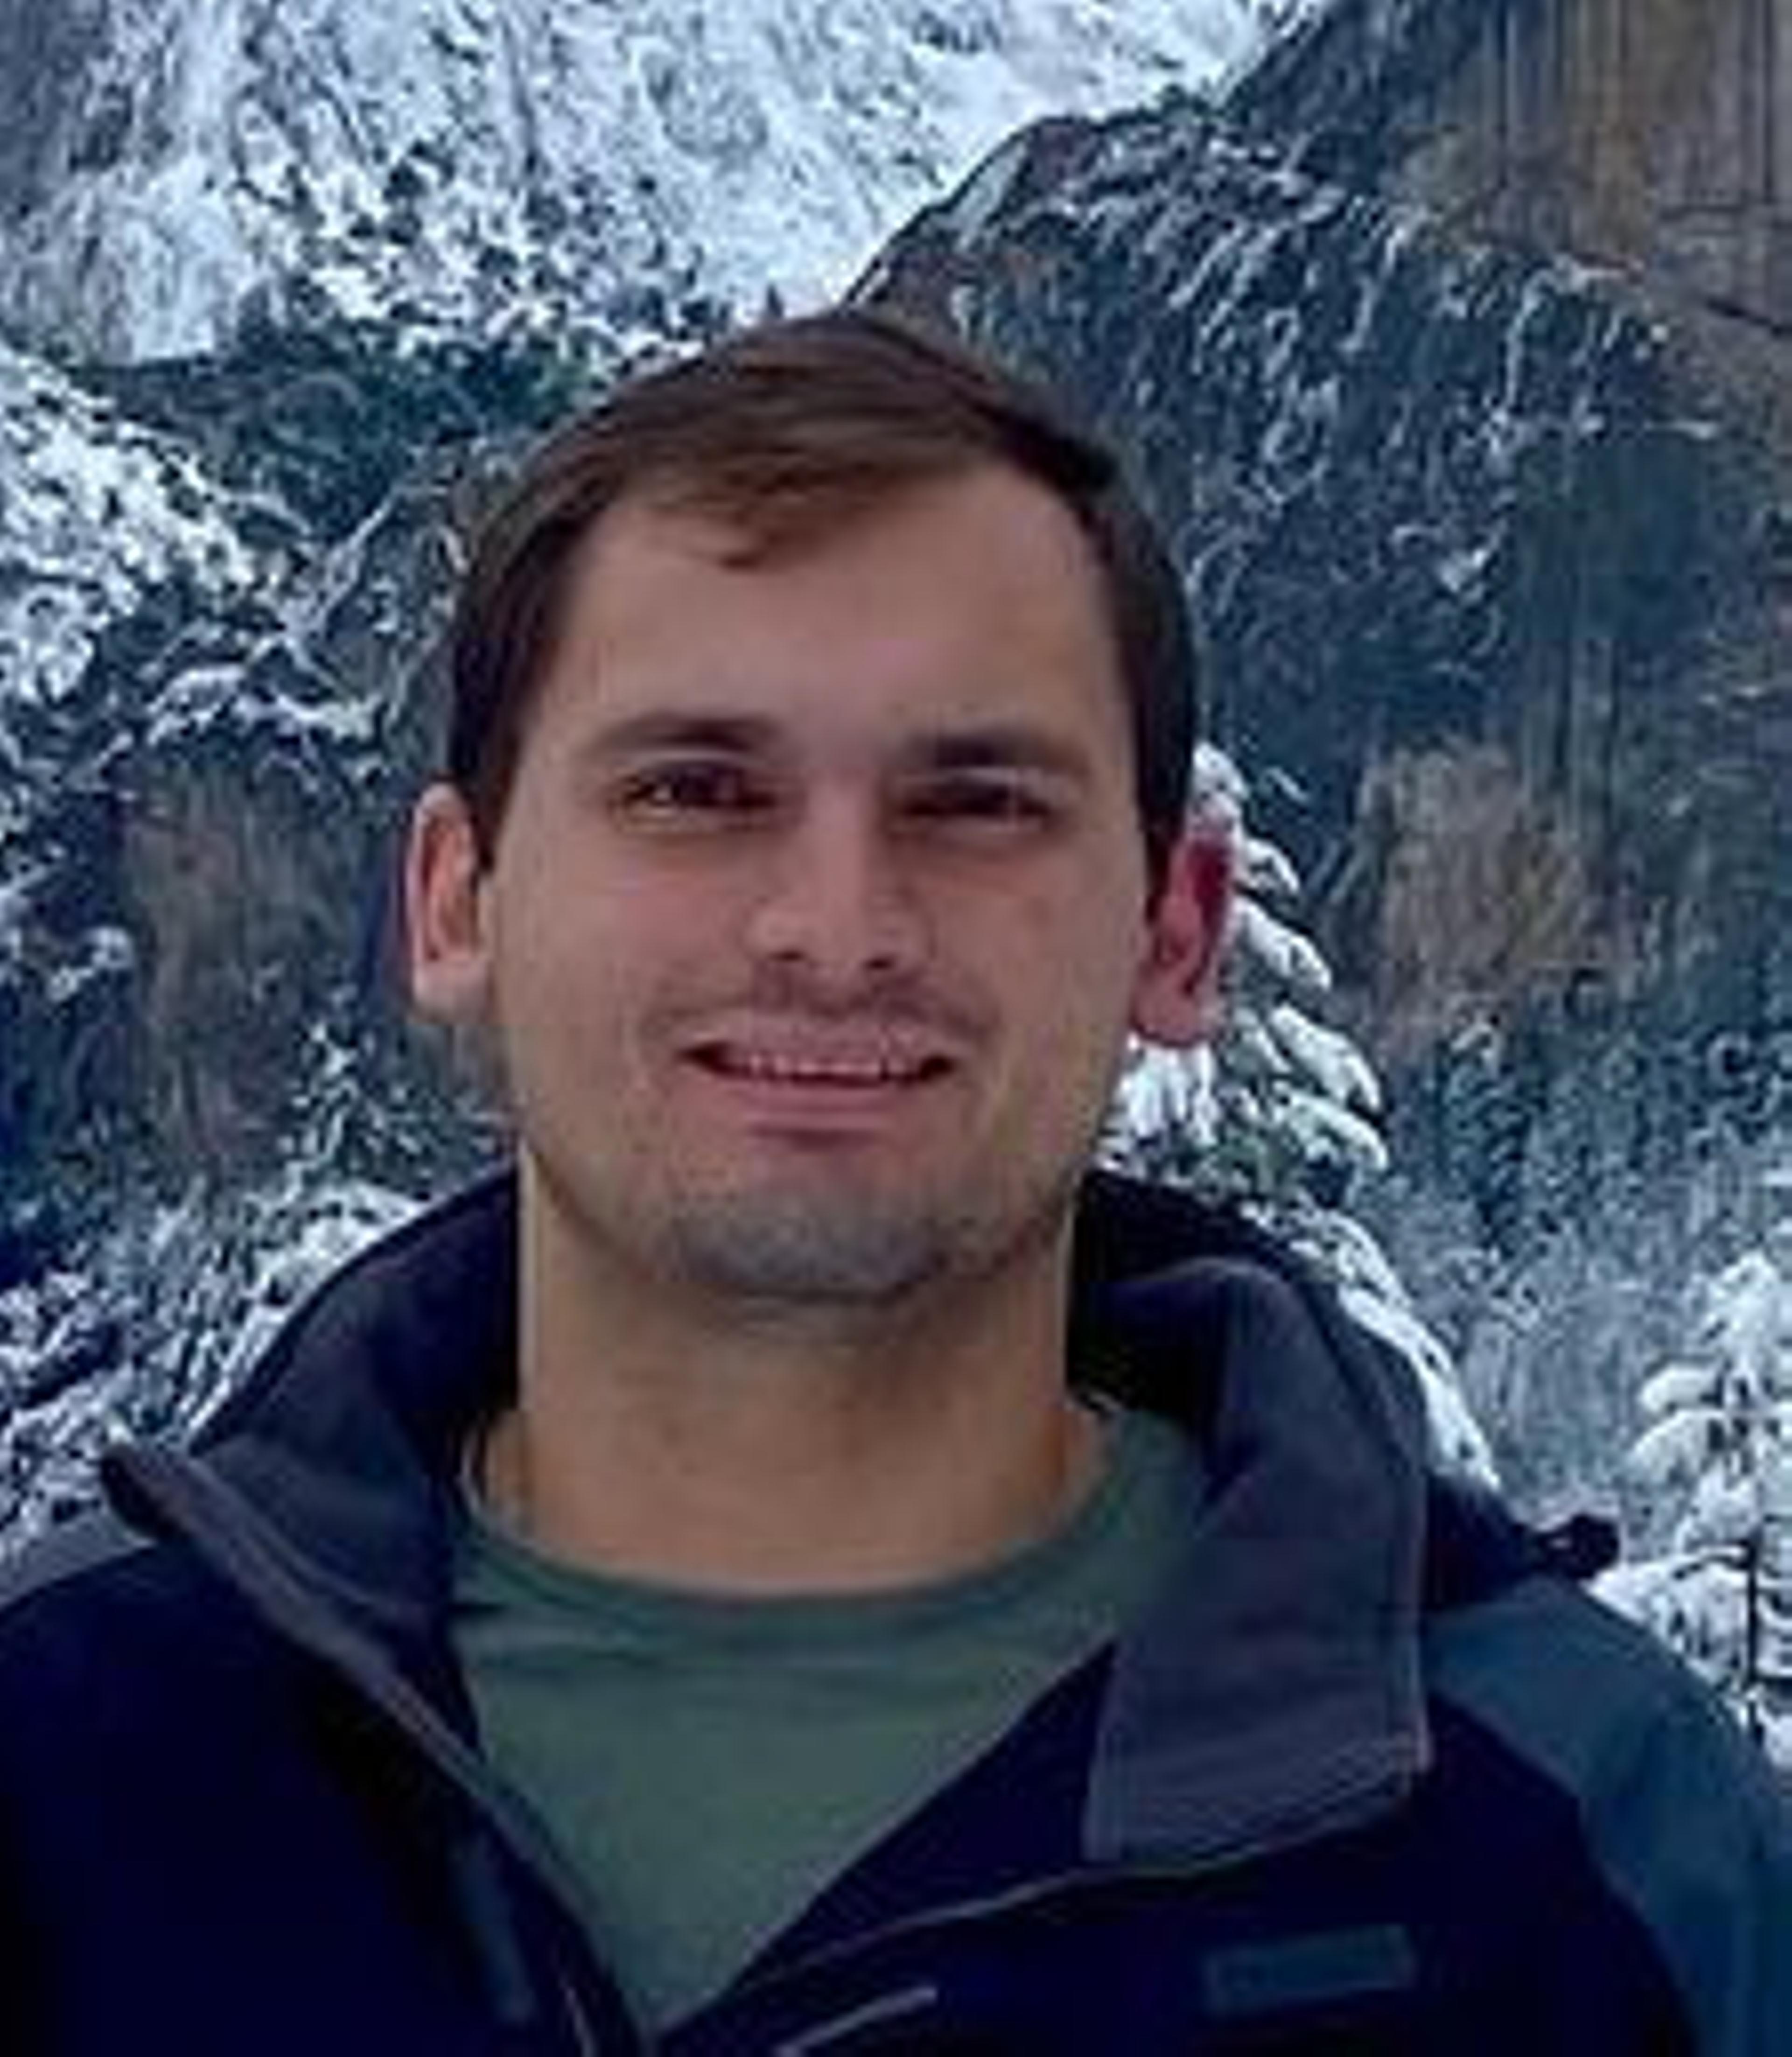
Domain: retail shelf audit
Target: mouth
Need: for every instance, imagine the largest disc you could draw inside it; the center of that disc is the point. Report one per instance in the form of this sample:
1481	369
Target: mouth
847	1071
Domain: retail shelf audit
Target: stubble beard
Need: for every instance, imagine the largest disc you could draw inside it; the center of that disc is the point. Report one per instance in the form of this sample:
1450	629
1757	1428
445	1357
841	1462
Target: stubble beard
759	1251
777	1249
794	1244
818	1251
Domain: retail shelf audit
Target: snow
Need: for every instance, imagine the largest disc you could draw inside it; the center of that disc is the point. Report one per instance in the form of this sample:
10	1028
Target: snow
96	511
435	155
1717	1451
1674	1386
106	952
1337	1069
980	199
1288	954
157	1324
1676	1451
17	886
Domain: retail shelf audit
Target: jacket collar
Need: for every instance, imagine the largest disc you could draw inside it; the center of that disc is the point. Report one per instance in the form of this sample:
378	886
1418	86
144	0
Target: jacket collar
344	1446
1272	1691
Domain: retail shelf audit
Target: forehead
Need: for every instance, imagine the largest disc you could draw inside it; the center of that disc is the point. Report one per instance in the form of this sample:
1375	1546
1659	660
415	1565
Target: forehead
975	596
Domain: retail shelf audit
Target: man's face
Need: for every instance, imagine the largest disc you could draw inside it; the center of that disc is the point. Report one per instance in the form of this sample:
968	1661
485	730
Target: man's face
818	913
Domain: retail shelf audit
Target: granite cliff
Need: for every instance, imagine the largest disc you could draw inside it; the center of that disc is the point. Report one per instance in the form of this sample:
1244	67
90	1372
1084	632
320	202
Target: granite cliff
1455	350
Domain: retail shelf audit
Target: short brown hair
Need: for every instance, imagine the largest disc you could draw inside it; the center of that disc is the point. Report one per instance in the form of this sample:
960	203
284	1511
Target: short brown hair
781	431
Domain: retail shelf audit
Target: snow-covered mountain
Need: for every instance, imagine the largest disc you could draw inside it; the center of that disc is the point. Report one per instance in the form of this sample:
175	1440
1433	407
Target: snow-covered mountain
503	162
97	511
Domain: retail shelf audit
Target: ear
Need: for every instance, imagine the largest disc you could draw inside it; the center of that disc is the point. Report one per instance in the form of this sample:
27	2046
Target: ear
447	948
1175	1002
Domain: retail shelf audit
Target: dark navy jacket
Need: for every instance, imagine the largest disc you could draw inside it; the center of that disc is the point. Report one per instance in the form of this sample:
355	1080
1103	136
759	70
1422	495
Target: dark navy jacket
1371	1776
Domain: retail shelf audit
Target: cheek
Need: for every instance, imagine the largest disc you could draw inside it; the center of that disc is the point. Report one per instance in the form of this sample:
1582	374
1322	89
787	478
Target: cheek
1070	960
606	971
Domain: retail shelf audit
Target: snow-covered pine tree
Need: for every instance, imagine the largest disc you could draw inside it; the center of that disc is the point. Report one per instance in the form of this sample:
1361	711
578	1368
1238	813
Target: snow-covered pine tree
1717	1453
1279	1115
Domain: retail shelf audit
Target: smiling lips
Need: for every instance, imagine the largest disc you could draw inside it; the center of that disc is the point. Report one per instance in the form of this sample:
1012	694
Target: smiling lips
839	1070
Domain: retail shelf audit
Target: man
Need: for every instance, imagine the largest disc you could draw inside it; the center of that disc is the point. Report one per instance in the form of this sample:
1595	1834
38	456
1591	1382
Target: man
806	1566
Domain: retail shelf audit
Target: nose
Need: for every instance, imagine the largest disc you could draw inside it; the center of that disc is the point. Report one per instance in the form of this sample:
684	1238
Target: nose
836	900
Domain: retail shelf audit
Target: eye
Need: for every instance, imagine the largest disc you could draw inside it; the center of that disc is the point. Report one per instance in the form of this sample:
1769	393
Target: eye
978	802
694	792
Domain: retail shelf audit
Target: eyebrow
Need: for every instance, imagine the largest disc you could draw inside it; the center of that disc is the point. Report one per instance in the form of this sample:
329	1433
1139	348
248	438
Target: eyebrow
1000	746
661	728
988	747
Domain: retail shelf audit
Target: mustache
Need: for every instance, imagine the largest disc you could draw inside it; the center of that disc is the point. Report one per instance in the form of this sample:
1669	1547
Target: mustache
878	1001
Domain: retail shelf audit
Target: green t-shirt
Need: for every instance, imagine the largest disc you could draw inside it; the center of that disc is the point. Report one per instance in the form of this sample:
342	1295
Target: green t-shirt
707	1764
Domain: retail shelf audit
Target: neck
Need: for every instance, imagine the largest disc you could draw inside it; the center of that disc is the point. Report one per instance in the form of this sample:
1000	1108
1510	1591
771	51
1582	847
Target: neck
754	1449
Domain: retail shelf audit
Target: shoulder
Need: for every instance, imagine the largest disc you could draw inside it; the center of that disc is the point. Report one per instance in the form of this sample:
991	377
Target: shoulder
1678	1813
54	1567
1577	1688
90	1609
84	1640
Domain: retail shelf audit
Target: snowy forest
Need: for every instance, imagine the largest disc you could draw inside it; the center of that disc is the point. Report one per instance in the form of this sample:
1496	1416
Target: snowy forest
1450	350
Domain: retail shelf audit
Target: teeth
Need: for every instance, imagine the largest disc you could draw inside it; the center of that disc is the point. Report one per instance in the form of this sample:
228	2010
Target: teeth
820	1071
